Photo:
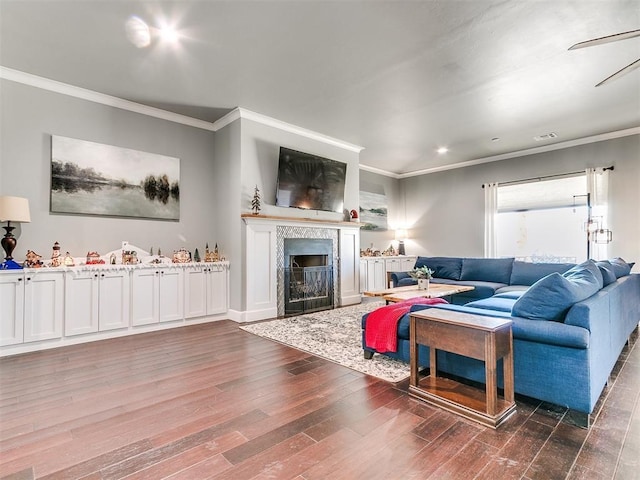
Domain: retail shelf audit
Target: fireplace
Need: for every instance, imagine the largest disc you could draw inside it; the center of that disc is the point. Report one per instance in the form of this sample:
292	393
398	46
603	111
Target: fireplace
308	275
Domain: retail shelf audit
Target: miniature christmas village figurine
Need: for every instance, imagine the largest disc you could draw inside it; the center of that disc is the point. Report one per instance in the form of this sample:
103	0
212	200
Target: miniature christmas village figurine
32	260
210	256
196	256
181	256
129	257
255	203
112	259
56	261
93	258
68	260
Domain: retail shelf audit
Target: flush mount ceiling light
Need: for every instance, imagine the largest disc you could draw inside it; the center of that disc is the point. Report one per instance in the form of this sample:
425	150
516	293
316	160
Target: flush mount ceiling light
442	150
168	34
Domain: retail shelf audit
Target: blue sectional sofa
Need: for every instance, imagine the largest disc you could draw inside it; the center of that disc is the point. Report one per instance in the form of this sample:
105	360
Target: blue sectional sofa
570	324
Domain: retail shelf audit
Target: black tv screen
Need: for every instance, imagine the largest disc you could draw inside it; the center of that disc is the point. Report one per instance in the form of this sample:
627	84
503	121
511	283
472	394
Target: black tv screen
310	182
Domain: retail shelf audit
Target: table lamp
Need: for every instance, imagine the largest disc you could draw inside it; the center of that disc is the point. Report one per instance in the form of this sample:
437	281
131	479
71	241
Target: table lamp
401	236
12	209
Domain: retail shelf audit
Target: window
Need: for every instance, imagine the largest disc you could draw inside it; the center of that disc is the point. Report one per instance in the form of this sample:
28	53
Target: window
543	221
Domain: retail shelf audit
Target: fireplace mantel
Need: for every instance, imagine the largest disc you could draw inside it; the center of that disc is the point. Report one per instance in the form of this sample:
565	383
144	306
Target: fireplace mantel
315	222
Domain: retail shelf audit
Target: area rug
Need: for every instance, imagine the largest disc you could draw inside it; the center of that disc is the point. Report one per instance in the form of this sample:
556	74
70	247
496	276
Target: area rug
335	335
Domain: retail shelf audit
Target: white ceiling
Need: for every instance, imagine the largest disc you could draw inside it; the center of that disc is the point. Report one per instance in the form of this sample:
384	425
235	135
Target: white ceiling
399	78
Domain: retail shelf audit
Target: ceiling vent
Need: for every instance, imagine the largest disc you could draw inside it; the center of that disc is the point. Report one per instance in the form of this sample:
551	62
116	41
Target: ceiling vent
546	136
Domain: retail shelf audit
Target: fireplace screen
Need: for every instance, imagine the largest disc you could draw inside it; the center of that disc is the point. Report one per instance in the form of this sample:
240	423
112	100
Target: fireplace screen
307	288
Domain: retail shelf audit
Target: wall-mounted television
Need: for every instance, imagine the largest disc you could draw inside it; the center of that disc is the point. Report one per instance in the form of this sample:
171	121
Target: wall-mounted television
310	182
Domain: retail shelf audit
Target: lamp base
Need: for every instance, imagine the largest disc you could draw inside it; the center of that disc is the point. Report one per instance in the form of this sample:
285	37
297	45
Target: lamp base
401	248
10	265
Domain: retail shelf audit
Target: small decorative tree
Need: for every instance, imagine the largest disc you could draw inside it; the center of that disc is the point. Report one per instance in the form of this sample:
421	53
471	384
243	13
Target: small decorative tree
255	203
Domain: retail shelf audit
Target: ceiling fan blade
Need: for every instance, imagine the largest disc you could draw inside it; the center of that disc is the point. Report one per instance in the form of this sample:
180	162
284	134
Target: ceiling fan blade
621	72
607	39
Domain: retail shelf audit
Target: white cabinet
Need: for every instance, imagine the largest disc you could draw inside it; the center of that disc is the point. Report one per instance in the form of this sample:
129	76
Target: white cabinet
96	301
375	271
205	290
157	295
32	306
11	308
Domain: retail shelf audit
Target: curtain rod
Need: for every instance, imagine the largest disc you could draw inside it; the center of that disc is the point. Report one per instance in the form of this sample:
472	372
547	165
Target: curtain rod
544	177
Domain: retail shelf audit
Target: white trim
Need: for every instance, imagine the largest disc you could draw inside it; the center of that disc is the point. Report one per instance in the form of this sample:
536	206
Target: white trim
90	95
505	156
303	132
111	101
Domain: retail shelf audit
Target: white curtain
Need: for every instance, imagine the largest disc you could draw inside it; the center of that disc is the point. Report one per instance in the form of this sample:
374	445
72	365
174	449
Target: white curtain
490	214
598	188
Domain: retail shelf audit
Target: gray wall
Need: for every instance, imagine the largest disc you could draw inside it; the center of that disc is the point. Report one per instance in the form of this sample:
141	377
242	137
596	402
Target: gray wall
390	187
446	210
31	115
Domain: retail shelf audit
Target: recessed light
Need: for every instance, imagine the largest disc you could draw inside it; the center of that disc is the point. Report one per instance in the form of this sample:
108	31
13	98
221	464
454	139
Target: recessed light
442	150
169	34
495	139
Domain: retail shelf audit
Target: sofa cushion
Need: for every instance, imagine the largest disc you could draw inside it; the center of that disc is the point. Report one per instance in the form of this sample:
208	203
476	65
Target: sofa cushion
607	271
620	267
513	288
481	289
551	297
500	304
528	273
443	267
496	270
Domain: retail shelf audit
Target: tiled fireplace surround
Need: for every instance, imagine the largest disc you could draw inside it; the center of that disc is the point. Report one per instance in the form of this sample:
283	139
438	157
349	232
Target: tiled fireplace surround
295	231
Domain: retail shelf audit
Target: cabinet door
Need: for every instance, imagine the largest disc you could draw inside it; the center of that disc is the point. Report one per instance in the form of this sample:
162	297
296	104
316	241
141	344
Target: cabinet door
391	265
11	308
363	275
114	300
43	305
195	292
407	264
171	295
144	296
81	303
216	290
376	277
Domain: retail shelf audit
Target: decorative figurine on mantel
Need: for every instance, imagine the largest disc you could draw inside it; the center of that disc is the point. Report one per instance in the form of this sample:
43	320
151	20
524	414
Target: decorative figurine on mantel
196	256
56	261
32	260
255	203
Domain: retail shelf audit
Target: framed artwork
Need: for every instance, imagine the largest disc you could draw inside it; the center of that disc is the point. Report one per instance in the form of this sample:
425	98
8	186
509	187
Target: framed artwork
89	178
373	211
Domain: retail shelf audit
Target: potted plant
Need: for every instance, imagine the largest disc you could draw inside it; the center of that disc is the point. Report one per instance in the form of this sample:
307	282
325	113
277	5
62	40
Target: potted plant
423	275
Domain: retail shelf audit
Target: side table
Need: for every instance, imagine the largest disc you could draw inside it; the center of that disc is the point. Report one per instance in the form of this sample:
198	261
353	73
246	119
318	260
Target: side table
483	338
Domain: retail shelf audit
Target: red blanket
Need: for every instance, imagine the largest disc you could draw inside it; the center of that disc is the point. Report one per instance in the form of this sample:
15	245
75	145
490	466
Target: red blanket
381	333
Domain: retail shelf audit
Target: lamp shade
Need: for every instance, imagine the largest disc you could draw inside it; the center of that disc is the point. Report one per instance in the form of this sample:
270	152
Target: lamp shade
14	209
401	234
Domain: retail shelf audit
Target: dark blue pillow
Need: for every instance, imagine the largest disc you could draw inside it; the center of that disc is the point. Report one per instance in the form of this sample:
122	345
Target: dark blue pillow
608	275
444	267
552	296
620	267
497	270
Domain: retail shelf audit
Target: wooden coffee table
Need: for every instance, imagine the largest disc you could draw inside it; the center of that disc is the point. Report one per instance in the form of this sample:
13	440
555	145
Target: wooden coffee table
435	290
475	336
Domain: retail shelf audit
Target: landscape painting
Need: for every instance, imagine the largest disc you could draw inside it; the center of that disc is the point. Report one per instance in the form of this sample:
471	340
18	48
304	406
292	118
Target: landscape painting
90	178
373	211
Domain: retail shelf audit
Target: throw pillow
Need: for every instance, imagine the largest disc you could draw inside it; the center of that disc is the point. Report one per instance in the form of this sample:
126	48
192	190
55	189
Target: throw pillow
608	274
444	267
552	296
620	267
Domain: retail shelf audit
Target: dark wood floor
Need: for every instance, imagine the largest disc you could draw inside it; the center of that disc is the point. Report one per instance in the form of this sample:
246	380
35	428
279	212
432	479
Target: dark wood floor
212	401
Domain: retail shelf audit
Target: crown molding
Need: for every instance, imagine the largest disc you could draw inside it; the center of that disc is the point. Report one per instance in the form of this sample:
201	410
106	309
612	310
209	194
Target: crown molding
116	102
505	156
96	97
